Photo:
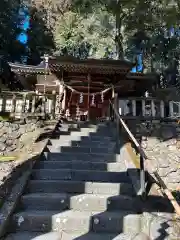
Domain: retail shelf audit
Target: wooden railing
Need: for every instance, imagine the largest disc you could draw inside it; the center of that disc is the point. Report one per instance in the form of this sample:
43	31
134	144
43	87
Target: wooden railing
26	104
145	162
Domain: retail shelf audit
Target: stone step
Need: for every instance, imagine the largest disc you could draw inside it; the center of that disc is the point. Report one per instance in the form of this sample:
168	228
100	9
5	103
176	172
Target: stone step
80	202
85	127
88	142
79	175
69	128
62	132
94	157
96	138
85	133
44	202
93	143
78	130
75	221
70	236
90	130
88	165
58	142
59	186
81	149
62	129
69	138
98	236
34	236
85	138
101	132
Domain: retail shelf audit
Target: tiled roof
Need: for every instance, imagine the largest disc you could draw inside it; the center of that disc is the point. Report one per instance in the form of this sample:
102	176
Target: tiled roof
73	65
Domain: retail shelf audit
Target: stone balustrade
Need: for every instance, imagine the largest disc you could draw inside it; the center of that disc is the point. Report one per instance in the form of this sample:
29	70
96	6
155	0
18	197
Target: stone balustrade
24	104
148	108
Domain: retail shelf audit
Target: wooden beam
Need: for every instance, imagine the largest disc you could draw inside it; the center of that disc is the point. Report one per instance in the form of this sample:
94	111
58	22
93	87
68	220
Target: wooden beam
85	85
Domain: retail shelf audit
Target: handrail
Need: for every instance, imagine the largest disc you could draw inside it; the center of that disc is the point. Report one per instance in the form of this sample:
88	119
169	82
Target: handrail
145	161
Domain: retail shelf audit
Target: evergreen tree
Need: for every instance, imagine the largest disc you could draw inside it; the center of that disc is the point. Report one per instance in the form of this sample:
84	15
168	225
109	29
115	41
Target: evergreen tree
8	26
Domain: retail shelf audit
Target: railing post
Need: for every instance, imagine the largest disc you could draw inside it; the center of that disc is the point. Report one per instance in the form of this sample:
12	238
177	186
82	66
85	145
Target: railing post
33	103
143	108
116	106
53	106
134	108
27	105
142	178
8	105
162	109
49	105
178	108
13	109
171	110
44	105
153	110
3	108
23	105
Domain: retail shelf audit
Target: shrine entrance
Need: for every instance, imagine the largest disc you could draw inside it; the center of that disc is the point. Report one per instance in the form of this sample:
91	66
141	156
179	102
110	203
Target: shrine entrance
87	105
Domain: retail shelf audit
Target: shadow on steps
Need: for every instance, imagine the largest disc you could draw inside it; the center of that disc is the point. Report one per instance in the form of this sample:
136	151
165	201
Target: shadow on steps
66	199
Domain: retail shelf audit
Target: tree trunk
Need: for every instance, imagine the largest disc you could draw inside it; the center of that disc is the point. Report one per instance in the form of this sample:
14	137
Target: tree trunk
119	37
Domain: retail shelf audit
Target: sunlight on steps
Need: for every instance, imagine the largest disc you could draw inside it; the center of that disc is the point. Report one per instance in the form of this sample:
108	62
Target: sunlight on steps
78	190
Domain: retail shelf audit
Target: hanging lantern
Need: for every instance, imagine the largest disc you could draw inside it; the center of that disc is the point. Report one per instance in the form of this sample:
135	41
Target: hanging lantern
93	100
81	98
102	97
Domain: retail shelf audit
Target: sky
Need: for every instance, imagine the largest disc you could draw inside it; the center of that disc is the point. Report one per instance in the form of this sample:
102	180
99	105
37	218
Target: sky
24	20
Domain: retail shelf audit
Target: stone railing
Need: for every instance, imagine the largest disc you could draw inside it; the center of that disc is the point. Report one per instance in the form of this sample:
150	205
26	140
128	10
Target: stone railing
148	108
25	104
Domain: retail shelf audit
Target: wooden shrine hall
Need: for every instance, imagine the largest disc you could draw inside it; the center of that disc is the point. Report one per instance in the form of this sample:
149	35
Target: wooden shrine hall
83	87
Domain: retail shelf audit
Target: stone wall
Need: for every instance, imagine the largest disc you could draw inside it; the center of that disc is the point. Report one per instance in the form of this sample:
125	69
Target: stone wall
161	143
12	135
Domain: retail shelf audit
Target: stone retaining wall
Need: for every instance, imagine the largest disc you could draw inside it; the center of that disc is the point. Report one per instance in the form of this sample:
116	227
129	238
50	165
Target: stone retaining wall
161	143
13	135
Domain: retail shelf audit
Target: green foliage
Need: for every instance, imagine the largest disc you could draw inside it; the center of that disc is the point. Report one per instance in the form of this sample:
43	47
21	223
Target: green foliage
40	37
85	36
8	24
123	29
4	117
129	25
97	29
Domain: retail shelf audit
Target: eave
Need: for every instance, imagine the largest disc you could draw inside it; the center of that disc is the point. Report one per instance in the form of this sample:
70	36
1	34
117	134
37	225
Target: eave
91	66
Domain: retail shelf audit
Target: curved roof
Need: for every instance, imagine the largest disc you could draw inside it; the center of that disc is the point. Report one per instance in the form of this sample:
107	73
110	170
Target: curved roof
16	67
93	66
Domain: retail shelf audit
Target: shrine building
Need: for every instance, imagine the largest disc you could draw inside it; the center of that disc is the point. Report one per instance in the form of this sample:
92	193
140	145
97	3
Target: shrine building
84	87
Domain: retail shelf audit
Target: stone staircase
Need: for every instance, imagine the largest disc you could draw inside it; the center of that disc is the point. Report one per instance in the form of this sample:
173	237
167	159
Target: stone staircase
79	189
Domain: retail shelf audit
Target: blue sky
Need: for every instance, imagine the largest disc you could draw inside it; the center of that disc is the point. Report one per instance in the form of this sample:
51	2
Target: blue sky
24	24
